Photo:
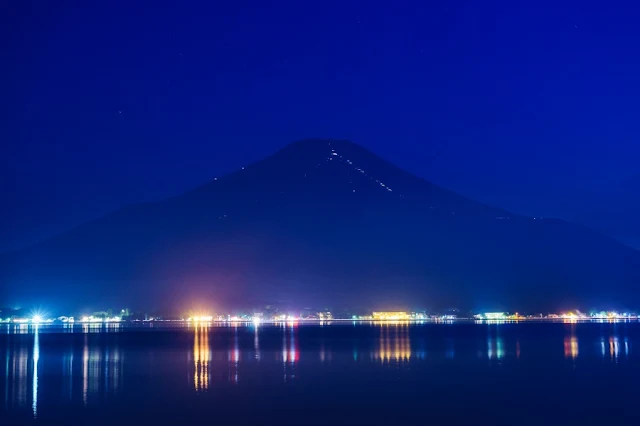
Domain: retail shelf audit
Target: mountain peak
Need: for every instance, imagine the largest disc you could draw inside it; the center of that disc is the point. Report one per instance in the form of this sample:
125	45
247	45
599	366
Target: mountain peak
323	147
321	143
352	156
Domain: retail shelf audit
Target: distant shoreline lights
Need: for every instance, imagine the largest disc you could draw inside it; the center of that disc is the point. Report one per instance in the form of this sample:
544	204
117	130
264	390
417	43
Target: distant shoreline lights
376	316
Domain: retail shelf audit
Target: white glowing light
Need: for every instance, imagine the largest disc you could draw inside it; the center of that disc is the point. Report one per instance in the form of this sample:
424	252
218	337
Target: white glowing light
36	319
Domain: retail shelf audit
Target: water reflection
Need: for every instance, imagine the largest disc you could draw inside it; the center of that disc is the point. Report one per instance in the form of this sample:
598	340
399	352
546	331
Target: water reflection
421	350
626	347
85	370
325	355
46	368
17	375
101	368
614	348
97	327
234	356
611	347
394	343
22	362
571	344
451	352
100	371
495	343
201	357
495	347
20	329
290	352
36	358
256	342
67	374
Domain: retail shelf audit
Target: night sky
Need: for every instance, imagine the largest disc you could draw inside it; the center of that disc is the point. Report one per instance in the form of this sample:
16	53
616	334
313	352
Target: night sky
526	105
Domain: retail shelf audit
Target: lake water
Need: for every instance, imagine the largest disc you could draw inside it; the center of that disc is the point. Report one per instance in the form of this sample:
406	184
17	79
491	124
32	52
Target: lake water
331	374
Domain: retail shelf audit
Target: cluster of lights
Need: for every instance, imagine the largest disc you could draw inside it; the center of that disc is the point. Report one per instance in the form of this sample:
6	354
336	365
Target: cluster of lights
256	319
41	319
284	317
391	316
35	319
92	319
610	315
201	318
572	316
577	315
493	316
38	317
568	316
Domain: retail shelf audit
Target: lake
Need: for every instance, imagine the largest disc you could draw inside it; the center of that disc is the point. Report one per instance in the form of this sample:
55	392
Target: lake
325	374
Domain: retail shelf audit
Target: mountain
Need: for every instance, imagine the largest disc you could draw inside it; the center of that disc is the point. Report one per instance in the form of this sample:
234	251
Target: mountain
324	222
615	212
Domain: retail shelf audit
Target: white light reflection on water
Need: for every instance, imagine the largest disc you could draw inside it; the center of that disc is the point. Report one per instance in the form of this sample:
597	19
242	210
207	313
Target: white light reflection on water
451	350
626	347
495	347
6	379
67	372
256	341
101	367
36	358
290	352
85	370
234	356
323	353
495	344
19	374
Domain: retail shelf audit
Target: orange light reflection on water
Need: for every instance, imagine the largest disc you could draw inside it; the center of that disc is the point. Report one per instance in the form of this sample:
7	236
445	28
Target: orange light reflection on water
394	343
201	357
571	349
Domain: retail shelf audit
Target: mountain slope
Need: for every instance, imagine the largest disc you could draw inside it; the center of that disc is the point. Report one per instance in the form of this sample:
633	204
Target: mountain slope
324	222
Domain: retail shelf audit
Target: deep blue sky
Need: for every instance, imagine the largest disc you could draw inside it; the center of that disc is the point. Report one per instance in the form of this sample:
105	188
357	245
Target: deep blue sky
526	105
